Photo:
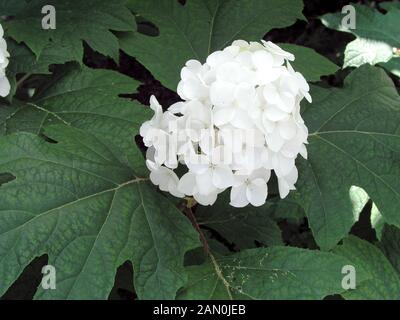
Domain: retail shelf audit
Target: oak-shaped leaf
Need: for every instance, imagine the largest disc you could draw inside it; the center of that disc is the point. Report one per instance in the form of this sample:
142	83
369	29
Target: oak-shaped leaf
76	202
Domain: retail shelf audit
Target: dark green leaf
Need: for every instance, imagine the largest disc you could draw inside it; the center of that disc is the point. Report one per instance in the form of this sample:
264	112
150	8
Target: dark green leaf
311	64
241	226
354	141
76	202
194	30
383	283
76	20
390	245
267	273
88	99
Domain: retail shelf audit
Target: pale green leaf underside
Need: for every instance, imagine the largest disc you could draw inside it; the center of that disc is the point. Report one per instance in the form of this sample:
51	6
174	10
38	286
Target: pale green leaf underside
200	27
77	203
354	141
382	284
268	273
362	51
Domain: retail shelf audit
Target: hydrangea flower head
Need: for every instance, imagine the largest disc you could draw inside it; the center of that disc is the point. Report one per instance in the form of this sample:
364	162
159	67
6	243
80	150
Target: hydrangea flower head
4	55
239	120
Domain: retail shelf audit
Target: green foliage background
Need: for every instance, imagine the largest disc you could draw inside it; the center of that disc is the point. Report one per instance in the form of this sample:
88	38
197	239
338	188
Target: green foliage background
74	189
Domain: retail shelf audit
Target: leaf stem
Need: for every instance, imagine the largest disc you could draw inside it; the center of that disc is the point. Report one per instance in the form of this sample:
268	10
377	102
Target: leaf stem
23	78
218	271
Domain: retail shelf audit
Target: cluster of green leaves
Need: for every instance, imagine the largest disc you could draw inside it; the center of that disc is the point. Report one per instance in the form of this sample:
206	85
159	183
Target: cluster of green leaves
377	34
74	187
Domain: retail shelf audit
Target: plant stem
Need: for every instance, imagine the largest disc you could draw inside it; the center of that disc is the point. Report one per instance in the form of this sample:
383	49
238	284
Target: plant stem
218	271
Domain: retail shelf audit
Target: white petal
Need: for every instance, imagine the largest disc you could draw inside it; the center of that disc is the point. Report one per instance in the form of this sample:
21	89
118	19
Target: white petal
287	129
4	86
198	163
275	49
262	60
274	114
239	178
303	151
222	177
178	107
244	58
222	93
230	72
242	120
207	199
267	76
217	58
204	182
271	94
261	173
282	165
286	102
274	141
257	192
238	196
222	116
283	188
187	184
173	186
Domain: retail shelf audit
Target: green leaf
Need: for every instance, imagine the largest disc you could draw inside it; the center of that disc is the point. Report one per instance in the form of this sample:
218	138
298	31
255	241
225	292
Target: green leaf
76	20
371	24
9	8
22	60
75	201
240	226
267	273
88	99
349	147
377	34
194	30
393	66
389	5
383	282
390	245
310	63
288	209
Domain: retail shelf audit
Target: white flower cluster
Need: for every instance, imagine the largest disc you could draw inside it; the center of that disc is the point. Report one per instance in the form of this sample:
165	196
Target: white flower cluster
4	55
239	120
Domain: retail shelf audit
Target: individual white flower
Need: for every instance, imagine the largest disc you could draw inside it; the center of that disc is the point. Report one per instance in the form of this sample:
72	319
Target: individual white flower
148	130
238	121
165	178
277	51
192	85
4	55
211	171
250	188
188	185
